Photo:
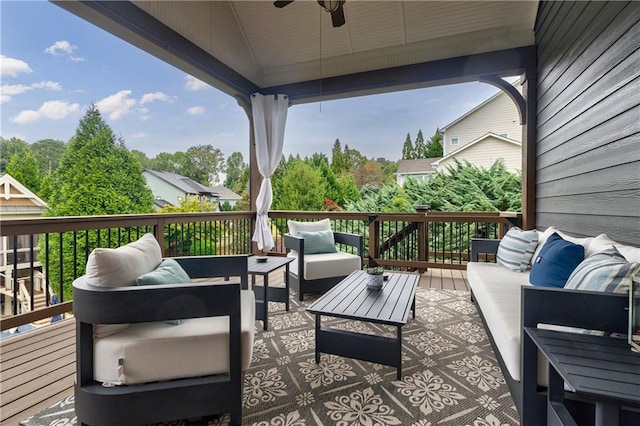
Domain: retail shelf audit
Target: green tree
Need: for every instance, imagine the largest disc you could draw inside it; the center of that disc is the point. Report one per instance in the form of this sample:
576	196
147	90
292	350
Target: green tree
419	147
9	147
338	164
24	168
203	164
301	188
368	174
237	172
48	152
408	152
433	148
97	175
145	162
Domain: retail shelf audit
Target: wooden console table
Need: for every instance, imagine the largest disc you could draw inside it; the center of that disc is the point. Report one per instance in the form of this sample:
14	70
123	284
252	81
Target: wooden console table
599	369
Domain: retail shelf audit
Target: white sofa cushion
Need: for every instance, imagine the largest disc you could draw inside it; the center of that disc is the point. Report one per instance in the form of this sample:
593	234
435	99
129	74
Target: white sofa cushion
496	290
119	267
326	265
320	225
158	351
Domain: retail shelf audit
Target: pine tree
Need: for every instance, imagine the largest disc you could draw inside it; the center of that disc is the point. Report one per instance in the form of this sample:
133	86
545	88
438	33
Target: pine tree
24	168
338	164
434	146
407	149
98	175
419	147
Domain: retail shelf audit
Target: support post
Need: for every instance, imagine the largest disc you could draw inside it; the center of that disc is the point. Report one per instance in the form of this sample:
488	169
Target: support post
529	138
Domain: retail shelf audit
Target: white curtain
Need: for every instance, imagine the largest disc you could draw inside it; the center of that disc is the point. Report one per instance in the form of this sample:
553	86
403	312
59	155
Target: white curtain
269	119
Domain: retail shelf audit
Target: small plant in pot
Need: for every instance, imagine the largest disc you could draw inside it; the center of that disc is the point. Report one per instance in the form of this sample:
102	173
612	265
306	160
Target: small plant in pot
375	277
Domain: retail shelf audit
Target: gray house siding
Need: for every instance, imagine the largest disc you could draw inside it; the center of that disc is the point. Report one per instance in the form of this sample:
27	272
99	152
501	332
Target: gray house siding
162	189
588	143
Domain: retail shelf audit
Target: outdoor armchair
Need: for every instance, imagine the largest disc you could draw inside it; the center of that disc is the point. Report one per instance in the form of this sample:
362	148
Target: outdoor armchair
171	371
317	270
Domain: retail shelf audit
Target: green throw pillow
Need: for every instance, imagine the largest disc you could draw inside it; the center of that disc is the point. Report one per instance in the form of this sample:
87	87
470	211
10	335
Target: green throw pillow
318	242
168	272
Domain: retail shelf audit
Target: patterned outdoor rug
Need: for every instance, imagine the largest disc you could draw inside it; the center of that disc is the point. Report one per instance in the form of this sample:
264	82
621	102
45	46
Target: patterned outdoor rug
450	374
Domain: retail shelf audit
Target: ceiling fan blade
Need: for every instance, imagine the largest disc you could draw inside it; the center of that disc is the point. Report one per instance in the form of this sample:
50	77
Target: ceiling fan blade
337	17
282	3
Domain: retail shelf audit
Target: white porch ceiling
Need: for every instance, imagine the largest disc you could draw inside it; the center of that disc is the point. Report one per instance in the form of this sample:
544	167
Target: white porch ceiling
273	47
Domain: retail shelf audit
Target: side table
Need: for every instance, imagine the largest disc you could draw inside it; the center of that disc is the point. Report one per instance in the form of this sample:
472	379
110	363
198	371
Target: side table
599	369
263	292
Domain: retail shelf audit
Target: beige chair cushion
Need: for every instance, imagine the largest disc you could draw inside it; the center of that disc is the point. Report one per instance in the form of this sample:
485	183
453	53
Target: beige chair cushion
326	265
158	351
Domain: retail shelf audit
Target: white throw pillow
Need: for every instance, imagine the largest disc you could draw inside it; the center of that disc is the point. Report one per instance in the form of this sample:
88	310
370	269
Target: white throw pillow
516	249
584	242
121	266
320	225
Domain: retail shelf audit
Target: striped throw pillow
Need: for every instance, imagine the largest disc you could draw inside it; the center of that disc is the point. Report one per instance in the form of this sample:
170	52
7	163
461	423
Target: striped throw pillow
516	249
606	270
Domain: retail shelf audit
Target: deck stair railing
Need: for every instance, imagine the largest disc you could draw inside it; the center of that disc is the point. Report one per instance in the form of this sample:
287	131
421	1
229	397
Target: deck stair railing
401	241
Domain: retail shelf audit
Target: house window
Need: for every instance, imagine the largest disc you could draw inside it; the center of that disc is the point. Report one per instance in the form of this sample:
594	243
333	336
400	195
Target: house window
454	141
504	135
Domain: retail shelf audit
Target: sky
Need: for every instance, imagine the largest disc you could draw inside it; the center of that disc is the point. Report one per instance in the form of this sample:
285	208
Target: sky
54	65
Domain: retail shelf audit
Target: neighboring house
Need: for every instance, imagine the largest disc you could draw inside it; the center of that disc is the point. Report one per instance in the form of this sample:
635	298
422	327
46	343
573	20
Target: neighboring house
225	194
18	202
420	169
488	132
171	188
484	151
497	115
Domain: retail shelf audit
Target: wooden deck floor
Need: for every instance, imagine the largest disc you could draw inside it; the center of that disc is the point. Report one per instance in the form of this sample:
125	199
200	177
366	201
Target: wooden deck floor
37	368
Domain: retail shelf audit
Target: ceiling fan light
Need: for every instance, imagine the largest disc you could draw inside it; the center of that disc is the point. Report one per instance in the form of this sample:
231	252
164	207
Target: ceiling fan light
330	5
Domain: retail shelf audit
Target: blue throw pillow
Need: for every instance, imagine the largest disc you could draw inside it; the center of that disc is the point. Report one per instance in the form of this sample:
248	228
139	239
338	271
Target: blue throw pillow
168	272
318	242
555	262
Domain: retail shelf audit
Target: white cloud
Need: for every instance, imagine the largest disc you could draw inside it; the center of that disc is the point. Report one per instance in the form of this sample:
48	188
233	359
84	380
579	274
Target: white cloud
196	110
192	83
12	66
54	110
155	96
50	85
63	48
139	135
221	106
9	90
14	89
4	98
116	105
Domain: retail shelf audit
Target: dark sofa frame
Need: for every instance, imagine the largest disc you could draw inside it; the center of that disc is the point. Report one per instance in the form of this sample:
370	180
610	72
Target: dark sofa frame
174	399
572	308
296	278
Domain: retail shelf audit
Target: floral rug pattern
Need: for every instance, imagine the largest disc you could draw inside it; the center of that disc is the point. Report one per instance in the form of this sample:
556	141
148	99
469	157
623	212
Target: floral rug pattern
450	375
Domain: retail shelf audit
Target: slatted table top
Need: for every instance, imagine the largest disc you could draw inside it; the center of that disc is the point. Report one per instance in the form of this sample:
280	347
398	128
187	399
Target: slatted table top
595	367
352	299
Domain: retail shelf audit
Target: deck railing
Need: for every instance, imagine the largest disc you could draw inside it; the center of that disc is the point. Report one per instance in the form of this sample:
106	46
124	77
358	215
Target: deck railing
408	241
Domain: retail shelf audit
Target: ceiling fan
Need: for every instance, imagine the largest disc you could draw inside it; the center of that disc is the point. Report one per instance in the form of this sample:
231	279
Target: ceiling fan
332	6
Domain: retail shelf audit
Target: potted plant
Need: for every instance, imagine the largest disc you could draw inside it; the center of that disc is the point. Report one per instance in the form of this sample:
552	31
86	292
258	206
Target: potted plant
375	277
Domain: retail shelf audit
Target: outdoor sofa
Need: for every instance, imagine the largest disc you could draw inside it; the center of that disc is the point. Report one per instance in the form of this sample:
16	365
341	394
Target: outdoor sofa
506	300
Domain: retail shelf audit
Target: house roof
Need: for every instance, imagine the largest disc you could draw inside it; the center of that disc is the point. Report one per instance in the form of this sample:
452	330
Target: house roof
476	108
183	183
226	194
419	166
243	47
22	199
477	141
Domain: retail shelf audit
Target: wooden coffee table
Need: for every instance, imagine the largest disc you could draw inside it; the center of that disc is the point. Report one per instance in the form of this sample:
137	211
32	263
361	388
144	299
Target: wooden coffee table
351	299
